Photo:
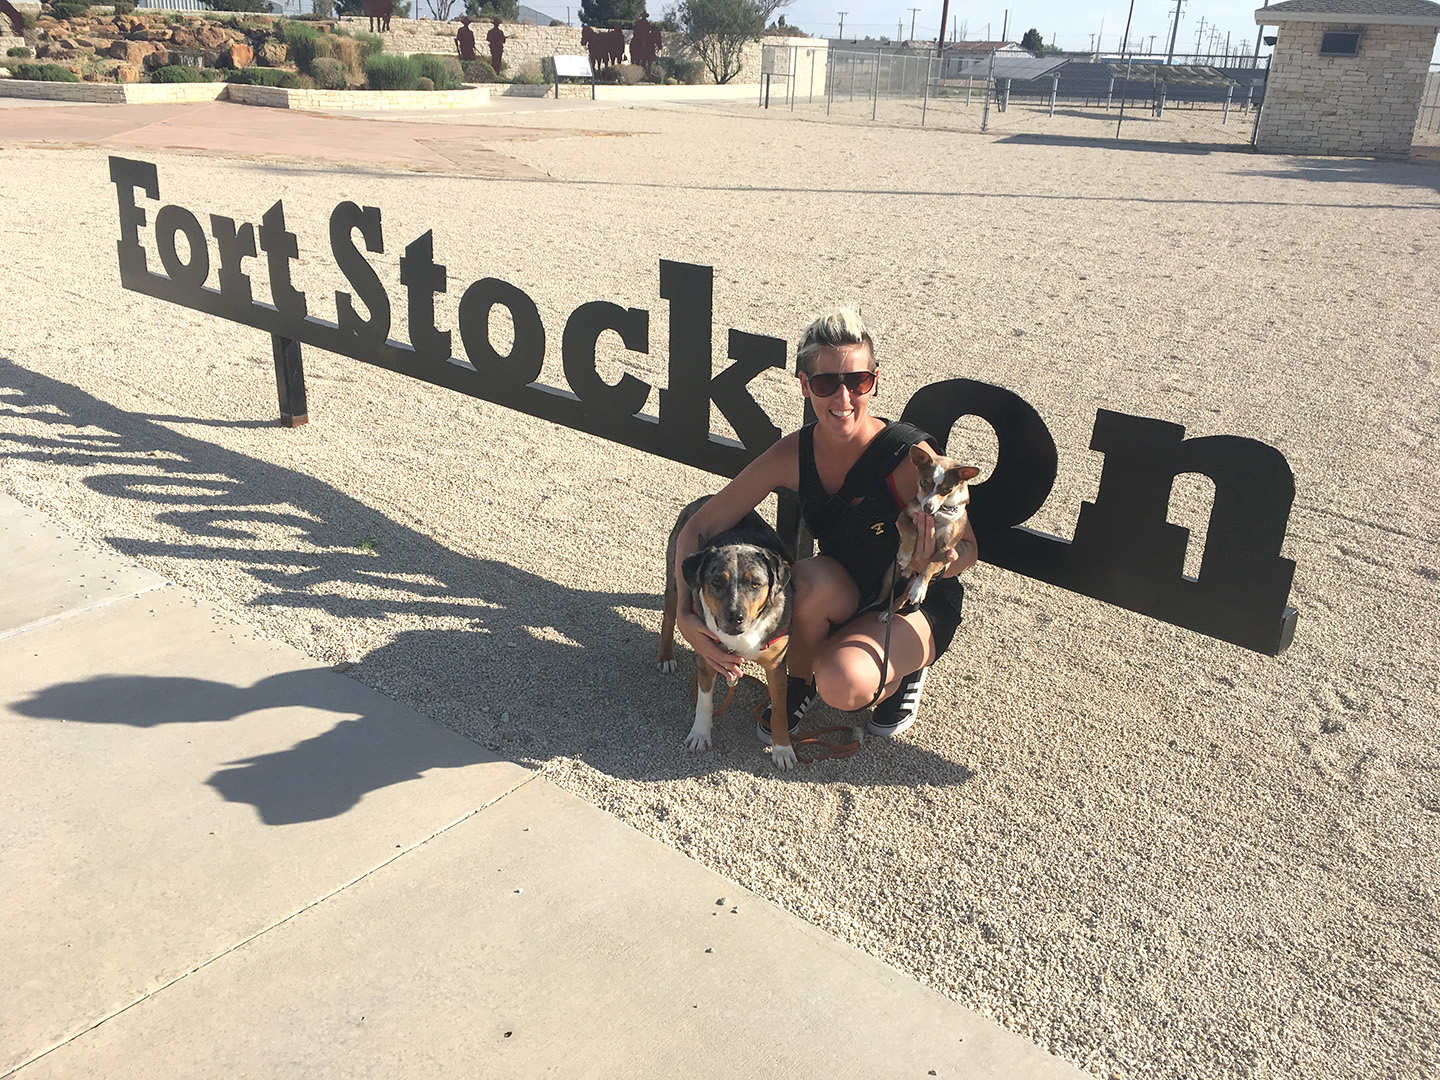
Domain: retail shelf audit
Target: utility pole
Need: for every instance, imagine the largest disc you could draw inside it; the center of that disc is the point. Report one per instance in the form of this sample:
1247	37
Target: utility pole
913	10
1005	26
1258	35
1200	33
1174	30
842	15
1125	41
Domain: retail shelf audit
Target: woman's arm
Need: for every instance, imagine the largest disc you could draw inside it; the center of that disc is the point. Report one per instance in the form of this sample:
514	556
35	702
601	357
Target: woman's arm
777	467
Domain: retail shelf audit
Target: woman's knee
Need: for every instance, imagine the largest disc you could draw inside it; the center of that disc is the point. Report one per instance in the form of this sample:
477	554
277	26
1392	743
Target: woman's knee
847	678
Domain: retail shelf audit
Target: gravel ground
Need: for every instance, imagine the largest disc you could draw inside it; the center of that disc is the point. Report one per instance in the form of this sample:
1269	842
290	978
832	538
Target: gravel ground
1154	853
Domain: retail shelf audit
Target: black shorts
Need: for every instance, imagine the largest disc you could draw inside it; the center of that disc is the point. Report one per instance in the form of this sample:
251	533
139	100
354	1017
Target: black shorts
942	608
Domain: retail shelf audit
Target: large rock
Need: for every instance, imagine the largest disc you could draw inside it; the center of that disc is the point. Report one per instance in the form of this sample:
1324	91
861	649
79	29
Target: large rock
152	35
214	37
99	44
236	55
129	24
273	53
131	52
127	73
157	59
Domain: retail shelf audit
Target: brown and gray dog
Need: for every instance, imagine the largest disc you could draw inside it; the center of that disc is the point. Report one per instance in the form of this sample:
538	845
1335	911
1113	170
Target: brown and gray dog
943	492
739	584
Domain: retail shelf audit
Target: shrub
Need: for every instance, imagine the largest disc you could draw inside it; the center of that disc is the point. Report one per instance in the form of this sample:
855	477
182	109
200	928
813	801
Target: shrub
64	9
390	71
323	9
18	50
678	68
123	7
177	73
236	5
346	50
442	71
479	71
43	73
302	39
628	74
424	83
329	73
370	45
291	80
258	76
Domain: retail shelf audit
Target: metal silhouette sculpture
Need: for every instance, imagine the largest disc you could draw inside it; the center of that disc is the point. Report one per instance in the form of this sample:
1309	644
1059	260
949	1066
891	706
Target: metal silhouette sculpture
644	42
605	47
379	12
496	38
1124	552
465	40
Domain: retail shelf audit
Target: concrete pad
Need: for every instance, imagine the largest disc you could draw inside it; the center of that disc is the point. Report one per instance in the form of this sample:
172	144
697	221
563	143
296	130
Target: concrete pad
47	573
172	786
541	937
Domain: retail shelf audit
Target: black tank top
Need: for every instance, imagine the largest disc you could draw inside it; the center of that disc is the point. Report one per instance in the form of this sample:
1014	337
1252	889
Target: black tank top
856	525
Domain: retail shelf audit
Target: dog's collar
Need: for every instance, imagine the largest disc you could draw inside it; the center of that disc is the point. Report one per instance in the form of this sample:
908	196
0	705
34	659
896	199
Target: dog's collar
945	510
784	632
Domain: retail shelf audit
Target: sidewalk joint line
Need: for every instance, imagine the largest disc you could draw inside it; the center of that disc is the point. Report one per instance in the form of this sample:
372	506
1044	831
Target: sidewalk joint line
72	612
535	775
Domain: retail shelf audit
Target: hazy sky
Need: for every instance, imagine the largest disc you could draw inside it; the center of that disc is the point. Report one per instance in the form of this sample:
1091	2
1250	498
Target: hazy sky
1070	25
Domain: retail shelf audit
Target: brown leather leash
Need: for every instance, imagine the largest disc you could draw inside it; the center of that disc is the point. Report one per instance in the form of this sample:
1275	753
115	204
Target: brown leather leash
811	739
729	691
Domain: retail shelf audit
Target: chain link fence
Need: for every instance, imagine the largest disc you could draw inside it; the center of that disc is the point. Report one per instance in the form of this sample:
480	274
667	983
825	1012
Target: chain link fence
1427	124
1000	92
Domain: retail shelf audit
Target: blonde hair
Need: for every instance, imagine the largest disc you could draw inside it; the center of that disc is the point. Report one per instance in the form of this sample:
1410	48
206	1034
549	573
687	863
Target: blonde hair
834	329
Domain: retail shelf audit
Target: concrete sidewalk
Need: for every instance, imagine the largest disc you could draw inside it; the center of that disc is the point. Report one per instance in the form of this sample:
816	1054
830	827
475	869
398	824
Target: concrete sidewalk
223	860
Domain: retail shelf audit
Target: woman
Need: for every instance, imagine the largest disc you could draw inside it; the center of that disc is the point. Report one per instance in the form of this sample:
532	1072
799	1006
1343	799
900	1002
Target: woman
854	476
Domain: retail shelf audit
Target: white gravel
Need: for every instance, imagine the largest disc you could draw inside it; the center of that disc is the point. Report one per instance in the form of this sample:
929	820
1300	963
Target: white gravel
1154	853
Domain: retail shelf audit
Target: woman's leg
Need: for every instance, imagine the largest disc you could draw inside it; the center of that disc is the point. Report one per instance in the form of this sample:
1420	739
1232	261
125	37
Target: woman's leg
847	664
825	596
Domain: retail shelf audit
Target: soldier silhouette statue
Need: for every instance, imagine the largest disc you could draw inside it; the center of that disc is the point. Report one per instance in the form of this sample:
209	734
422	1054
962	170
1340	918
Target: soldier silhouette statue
496	38
465	40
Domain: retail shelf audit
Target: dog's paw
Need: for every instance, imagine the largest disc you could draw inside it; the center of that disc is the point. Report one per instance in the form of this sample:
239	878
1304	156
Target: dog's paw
783	757
666	666
697	740
883	615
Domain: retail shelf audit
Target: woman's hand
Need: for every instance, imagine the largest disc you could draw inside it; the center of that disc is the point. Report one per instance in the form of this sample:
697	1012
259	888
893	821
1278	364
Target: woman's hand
693	629
956	559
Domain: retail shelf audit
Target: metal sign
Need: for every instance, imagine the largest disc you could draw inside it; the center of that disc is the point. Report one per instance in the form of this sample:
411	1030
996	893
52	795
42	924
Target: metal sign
1125	552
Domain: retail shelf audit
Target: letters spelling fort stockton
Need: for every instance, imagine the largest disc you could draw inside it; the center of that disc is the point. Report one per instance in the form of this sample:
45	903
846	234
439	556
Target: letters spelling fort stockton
1124	551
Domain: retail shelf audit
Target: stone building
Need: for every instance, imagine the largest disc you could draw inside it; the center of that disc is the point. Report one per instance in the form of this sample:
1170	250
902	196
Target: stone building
1346	76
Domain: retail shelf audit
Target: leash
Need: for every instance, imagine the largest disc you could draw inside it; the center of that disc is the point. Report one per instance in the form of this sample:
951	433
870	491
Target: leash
811	739
885	654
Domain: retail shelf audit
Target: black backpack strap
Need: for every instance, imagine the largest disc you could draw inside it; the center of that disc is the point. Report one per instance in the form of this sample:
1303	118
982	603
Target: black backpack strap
881	458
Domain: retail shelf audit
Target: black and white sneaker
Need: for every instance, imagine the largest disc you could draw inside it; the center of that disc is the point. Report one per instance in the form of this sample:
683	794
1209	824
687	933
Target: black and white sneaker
897	712
800	696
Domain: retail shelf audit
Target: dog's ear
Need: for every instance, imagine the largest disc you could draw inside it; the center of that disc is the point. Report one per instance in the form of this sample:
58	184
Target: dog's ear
692	566
920	455
779	571
968	473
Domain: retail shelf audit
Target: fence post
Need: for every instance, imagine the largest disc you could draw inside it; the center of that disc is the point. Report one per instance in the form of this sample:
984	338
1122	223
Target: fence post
1054	92
969	86
1229	93
989	89
852	75
794	67
1161	110
1249	97
829	80
1110	94
875	89
1005	101
925	92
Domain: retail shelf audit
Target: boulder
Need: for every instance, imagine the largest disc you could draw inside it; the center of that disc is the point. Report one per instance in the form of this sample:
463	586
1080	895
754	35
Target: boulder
127	73
236	55
99	44
152	35
131	52
52	51
213	37
157	59
273	53
129	24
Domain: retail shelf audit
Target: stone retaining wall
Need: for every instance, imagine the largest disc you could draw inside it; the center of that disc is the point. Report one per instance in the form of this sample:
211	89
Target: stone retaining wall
526	44
1365	104
115	93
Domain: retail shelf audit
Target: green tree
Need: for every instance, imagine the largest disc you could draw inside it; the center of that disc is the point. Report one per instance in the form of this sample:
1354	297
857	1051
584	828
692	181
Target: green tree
717	30
1033	42
610	12
509	10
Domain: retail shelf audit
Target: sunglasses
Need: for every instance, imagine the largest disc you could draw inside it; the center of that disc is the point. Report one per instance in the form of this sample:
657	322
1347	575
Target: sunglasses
828	383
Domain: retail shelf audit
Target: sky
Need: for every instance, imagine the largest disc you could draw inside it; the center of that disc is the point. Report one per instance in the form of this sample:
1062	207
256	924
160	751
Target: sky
1090	24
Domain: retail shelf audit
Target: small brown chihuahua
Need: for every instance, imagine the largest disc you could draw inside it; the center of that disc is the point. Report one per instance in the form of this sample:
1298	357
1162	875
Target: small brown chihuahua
944	493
